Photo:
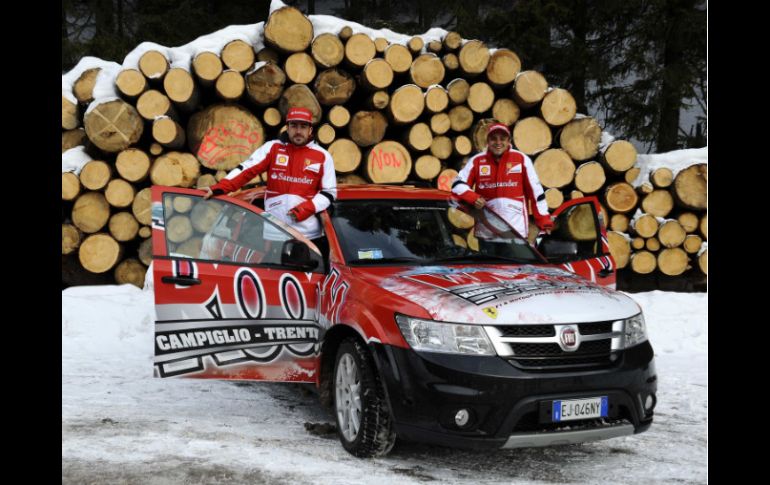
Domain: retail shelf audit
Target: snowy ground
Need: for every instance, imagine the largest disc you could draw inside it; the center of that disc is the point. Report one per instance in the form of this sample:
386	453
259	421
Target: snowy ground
120	425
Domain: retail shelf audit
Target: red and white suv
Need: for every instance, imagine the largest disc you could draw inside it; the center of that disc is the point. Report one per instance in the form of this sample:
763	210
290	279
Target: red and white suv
428	320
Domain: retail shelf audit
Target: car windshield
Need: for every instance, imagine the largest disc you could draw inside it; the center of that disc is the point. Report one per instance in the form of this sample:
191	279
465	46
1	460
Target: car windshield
424	232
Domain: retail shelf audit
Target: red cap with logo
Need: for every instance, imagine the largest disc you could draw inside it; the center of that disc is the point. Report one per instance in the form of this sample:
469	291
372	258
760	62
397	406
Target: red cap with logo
299	114
498	127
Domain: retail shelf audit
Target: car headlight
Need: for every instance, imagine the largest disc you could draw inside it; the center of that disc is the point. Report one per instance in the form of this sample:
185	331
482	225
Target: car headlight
450	338
634	330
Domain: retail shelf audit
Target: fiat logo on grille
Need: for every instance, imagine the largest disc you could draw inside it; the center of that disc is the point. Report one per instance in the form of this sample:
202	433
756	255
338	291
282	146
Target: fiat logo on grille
569	338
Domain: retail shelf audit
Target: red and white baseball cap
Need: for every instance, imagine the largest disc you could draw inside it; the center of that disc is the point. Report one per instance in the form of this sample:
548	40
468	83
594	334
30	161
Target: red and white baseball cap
498	127
299	114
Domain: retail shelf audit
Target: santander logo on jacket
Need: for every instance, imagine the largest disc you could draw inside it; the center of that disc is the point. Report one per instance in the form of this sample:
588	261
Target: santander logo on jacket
295	174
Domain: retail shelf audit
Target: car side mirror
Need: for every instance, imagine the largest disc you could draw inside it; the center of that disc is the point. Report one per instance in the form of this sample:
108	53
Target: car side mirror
558	248
297	254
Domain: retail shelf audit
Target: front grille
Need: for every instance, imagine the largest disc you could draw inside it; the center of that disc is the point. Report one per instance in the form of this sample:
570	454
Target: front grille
536	347
553	350
528	331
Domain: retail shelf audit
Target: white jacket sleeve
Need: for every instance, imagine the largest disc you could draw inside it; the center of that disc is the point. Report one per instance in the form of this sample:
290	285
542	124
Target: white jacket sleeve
328	191
258	156
538	195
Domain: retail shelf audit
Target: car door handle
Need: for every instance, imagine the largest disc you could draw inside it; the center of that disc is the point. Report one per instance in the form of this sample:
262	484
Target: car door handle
181	280
605	272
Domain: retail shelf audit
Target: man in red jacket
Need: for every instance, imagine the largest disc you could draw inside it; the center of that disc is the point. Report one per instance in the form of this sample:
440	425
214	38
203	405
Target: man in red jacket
505	179
300	176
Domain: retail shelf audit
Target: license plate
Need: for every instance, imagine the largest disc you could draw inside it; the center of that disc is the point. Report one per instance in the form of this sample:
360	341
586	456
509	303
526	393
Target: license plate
592	407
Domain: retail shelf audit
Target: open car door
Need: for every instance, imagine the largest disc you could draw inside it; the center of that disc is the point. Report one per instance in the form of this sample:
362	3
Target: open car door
235	291
578	242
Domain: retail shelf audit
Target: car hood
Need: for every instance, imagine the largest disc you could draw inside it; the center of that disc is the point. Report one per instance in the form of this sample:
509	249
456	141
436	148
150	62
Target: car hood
502	294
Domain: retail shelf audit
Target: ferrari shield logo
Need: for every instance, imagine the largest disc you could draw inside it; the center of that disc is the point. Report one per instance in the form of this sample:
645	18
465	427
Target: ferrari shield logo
490	311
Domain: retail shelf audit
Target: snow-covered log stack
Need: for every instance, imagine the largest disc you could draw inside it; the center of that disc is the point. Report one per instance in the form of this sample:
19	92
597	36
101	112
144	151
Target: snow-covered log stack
390	108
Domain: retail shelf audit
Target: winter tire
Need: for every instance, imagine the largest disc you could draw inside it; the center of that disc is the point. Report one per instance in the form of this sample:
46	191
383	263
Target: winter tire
364	424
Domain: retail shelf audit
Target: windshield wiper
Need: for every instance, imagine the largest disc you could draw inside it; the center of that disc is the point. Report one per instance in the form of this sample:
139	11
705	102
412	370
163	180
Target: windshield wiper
398	259
482	256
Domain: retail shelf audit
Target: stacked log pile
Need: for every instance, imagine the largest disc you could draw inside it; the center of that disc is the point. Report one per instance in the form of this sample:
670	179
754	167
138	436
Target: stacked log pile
406	110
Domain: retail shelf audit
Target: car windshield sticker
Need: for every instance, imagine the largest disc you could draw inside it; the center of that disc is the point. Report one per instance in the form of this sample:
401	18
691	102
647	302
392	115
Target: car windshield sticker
370	254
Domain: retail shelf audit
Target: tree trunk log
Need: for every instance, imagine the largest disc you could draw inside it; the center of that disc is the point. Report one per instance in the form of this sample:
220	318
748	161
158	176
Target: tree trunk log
288	30
223	135
123	226
658	203
460	118
426	70
580	138
175	169
406	104
377	100
690	187
272	117
205	180
451	62
460	219
142	206
346	155
419	137
399	58
359	49
113	126
703	262
554	168
554	198
345	33
704	226
452	41
179	228
388	162
351	179
339	116
529	88
238	56
265	85
632	174
461	145
440	123
156	149
436	99
133	165
119	193
618	157
70	186
558	107
445	179
689	221
367	128
152	103
99	253
300	68
83	88
180	88
70	238
325	134
70	119
619	248
204	214
334	87
145	232
427	167
621	197
480	97
95	175
503	67
671	234
661	178
652	244
673	261
532	135
415	45
130	271
579	223
230	86
619	222
692	243
441	147
145	251
638	243
474	57
153	65
506	111
458	91
646	226
207	67
434	46
643	262
168	133
130	83
377	75
327	50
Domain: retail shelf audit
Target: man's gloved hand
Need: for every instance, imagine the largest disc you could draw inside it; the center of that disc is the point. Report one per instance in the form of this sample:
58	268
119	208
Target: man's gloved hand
546	224
302	211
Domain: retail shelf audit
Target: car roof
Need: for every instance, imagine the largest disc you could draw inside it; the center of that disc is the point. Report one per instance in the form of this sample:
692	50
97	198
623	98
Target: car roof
366	192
